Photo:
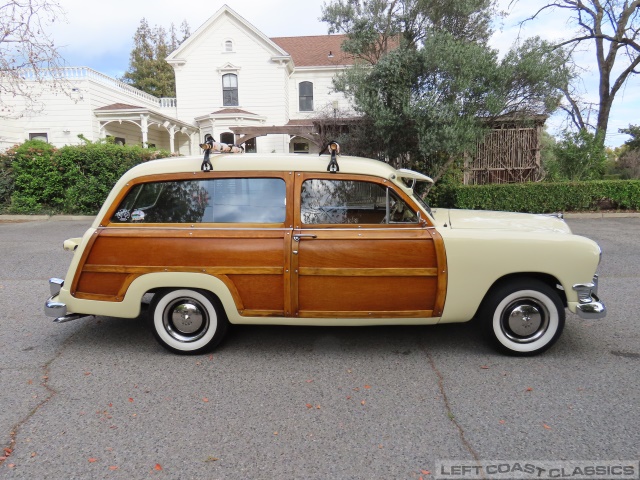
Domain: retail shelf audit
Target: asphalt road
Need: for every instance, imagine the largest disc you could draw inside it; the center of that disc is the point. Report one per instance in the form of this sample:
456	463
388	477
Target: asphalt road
99	398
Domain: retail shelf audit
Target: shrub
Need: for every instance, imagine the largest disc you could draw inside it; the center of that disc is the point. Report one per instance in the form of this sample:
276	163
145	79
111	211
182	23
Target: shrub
544	197
37	177
578	156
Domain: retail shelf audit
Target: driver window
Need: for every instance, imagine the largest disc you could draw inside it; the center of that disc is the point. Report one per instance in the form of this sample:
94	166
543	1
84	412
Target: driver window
336	202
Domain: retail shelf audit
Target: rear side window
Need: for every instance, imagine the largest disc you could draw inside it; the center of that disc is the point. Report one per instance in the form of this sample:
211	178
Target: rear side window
224	200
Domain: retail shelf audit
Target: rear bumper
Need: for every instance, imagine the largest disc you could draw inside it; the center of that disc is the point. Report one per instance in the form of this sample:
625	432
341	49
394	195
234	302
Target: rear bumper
54	308
589	306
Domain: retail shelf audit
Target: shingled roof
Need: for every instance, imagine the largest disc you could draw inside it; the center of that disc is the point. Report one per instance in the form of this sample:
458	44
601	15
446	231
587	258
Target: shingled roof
313	51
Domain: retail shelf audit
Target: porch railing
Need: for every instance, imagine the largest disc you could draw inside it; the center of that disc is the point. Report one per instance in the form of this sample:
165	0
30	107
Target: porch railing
86	73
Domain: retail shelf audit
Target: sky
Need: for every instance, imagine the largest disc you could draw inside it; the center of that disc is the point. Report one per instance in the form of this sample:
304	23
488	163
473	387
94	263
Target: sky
99	35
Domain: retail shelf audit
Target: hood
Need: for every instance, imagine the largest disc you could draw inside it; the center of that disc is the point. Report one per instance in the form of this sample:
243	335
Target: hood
481	219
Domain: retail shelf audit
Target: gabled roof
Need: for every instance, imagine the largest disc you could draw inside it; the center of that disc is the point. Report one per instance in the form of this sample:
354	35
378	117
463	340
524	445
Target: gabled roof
314	51
176	55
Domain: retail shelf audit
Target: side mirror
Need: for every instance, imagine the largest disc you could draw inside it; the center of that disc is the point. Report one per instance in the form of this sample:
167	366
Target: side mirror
423	223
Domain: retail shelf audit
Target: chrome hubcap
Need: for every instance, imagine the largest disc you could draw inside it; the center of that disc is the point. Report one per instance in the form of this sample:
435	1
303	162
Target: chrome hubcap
185	319
524	320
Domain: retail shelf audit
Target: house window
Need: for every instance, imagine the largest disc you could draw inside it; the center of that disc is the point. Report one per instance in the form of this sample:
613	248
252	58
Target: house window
250	146
228	138
230	90
306	96
116	140
39	136
300	147
228	46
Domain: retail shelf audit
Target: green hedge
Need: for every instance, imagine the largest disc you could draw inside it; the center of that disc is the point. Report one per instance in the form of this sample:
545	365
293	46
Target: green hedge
36	177
542	197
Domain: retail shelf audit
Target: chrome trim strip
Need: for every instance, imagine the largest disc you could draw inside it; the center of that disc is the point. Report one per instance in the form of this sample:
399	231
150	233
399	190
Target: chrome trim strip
70	317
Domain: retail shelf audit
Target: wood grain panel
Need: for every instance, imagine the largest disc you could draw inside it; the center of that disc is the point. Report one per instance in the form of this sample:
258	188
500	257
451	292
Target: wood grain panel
201	252
260	292
333	294
101	283
357	253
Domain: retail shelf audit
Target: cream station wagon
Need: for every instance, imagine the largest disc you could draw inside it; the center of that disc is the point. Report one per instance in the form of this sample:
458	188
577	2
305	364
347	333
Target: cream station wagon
287	240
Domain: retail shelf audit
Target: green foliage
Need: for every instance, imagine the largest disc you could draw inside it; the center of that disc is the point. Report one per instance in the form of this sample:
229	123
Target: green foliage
374	27
634	131
541	197
578	156
36	176
148	70
430	99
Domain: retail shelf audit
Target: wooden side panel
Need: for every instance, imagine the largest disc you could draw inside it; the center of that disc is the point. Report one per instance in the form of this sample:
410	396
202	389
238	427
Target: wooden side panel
367	273
252	261
367	294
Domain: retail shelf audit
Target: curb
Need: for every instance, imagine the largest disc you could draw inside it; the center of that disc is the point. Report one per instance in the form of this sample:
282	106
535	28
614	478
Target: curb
41	218
35	218
596	215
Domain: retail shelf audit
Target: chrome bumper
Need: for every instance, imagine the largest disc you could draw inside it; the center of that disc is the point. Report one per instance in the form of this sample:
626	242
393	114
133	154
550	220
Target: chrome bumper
58	310
589	305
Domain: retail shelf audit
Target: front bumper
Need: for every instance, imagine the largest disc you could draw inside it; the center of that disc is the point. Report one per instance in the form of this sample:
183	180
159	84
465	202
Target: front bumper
589	306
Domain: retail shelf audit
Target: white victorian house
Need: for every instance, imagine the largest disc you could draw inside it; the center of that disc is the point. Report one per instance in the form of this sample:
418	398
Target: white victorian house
231	81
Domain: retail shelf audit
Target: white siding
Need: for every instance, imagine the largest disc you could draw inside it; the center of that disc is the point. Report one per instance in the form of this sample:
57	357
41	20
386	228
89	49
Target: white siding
323	94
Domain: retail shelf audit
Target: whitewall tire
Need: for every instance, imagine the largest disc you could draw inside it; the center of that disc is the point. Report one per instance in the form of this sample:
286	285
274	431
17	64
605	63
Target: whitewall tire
187	321
522	317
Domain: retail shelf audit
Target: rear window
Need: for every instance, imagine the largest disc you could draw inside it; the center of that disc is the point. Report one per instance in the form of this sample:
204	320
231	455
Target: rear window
224	200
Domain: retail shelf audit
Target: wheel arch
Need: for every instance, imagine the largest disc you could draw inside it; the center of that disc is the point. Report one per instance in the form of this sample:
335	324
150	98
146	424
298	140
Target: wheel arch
130	306
546	278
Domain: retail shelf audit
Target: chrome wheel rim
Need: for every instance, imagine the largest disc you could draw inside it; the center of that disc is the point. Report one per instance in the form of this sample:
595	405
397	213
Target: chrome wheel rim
185	319
524	320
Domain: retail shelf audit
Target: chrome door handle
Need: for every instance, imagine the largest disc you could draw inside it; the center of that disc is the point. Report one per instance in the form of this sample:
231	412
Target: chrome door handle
298	236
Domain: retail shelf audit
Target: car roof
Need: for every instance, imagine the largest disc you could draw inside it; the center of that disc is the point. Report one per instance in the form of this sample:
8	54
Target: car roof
239	162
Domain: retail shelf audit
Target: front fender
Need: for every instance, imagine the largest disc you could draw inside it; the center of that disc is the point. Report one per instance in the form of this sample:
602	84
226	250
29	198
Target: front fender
477	259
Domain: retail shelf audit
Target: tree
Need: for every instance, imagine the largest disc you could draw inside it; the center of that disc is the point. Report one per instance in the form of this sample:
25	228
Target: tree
612	26
578	156
374	27
148	70
27	54
634	131
427	102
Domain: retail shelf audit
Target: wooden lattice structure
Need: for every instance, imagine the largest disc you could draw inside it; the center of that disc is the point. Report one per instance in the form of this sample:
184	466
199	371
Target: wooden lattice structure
510	153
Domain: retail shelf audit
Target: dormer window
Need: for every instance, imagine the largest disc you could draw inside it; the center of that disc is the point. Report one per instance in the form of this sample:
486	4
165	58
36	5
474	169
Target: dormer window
228	46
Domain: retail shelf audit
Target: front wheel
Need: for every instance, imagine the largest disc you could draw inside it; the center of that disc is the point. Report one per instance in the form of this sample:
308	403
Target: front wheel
523	317
187	321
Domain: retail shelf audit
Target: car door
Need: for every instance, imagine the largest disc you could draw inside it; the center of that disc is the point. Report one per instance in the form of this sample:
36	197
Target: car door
360	250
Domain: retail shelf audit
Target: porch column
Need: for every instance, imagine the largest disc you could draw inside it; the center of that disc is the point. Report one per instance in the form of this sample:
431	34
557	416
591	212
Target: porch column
144	127
193	143
172	136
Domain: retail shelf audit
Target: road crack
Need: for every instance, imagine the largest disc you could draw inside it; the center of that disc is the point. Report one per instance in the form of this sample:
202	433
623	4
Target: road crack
450	413
9	448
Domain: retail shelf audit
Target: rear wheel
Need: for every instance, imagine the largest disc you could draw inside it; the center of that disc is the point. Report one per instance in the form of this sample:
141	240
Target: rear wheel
187	321
523	317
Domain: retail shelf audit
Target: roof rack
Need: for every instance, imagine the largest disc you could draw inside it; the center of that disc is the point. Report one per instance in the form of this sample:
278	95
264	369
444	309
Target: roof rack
210	145
334	148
